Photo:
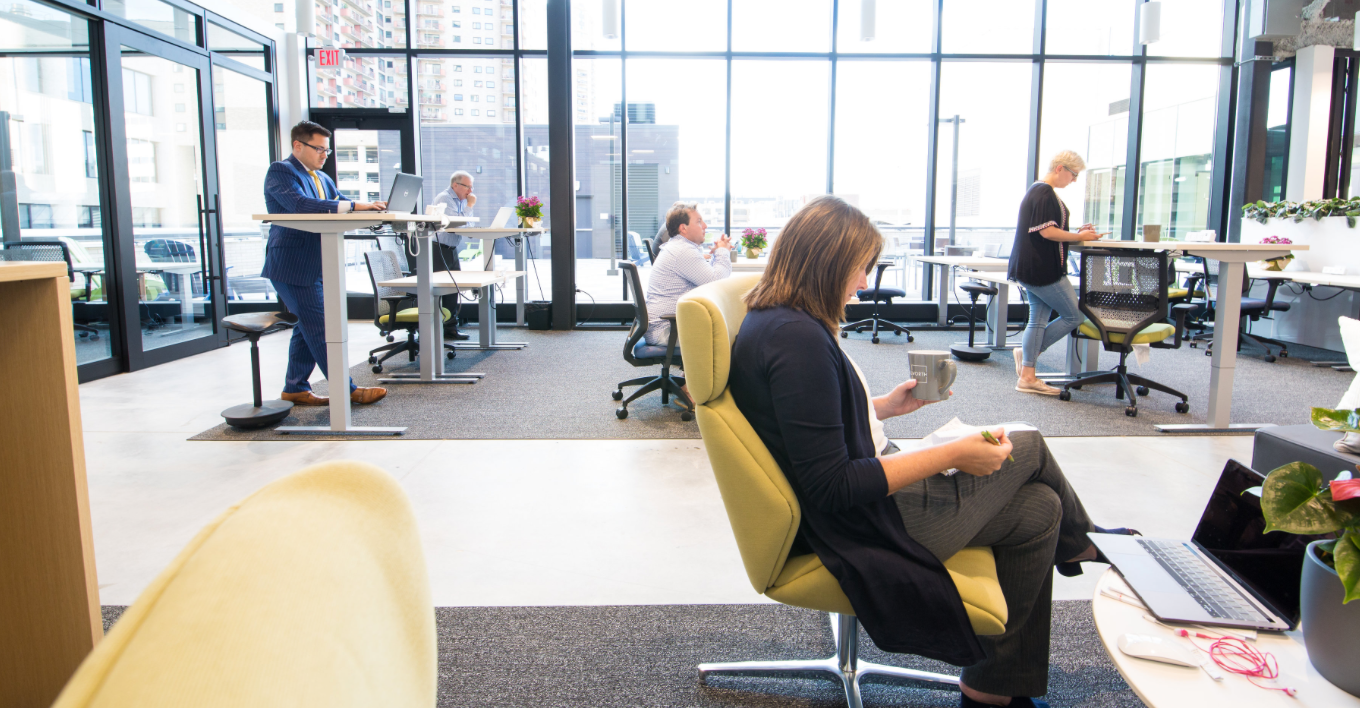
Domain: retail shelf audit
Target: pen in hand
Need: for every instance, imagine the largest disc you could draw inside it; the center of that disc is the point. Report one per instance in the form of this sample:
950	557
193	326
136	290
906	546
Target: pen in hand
988	437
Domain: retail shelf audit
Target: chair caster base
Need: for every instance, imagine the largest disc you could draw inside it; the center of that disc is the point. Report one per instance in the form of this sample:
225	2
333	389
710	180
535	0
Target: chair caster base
1269	359
967	353
621	413
686	416
247	417
1141	390
618	395
1182	407
377	369
1131	411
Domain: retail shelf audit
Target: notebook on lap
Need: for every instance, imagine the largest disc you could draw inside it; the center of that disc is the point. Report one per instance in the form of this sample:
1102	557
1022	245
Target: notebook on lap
1230	573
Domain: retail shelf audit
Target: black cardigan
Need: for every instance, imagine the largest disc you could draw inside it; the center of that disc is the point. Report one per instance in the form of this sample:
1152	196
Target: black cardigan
802	396
1036	260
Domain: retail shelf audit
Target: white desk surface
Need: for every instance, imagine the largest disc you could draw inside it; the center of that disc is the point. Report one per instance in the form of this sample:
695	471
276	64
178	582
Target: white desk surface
977	262
356	216
750	265
1315	278
488	231
1188	246
461	279
1167	686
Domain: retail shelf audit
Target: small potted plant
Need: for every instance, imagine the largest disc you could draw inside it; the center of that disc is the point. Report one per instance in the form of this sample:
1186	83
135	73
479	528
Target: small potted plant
1282	261
530	212
753	240
1294	499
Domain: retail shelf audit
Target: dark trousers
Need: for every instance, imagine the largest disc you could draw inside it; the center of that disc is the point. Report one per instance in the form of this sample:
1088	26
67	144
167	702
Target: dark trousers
307	349
1031	518
446	258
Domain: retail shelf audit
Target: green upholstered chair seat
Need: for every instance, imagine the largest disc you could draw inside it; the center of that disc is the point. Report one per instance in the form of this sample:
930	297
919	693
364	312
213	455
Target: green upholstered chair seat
805	582
1174	293
1152	333
411	314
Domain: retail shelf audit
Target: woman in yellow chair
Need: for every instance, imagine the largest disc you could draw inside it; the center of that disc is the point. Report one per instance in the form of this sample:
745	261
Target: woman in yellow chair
879	519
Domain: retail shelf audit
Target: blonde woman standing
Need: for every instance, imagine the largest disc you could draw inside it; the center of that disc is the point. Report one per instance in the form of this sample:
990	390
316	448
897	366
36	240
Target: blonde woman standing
1039	263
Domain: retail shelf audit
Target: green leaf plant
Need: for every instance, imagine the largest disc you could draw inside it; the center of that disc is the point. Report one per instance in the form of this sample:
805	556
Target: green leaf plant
1298	211
1295	500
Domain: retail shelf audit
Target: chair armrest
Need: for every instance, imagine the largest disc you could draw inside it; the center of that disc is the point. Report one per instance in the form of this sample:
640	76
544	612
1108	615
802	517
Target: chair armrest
670	340
1178	314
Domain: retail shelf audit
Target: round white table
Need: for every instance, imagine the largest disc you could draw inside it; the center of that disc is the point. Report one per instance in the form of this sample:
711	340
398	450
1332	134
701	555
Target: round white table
1167	686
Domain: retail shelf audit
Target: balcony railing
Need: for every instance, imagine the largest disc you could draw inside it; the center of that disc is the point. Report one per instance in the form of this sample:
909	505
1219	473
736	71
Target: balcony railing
428	10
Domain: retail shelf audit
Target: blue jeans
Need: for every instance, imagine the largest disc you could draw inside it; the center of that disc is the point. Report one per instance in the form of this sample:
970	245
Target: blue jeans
1040	334
307	349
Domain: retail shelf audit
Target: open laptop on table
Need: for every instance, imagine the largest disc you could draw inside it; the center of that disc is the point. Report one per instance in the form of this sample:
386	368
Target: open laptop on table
1230	574
405	191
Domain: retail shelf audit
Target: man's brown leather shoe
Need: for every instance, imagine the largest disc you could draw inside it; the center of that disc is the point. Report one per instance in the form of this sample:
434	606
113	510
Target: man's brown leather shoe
372	394
305	398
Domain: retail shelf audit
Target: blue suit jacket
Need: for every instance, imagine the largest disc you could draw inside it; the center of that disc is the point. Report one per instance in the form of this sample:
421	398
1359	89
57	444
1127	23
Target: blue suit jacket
293	256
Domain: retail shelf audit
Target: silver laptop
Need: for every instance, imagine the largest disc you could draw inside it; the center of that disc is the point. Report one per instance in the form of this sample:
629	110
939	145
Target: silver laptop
502	217
405	192
1230	574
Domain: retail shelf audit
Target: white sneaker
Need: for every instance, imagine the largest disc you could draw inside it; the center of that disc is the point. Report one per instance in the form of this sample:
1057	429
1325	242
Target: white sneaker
1019	361
1350	442
1038	387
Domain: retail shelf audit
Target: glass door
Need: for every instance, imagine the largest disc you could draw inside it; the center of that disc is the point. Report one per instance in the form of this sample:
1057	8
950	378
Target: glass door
369	152
166	228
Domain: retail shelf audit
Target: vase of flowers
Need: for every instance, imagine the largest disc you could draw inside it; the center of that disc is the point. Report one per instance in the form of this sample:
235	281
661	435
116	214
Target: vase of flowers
1282	261
753	240
530	212
1295	499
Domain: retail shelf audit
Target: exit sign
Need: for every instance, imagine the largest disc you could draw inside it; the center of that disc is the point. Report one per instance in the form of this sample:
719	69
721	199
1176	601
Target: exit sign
328	57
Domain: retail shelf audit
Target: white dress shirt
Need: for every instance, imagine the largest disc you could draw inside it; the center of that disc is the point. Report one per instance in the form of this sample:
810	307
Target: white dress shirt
453	206
679	268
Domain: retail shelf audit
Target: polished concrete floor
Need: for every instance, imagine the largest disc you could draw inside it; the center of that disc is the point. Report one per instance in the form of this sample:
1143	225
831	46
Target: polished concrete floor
539	522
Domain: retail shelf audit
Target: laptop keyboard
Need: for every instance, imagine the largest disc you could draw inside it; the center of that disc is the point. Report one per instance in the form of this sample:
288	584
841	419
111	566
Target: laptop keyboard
1207	587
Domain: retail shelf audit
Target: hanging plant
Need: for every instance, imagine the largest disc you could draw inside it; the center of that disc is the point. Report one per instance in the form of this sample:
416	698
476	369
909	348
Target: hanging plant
1298	211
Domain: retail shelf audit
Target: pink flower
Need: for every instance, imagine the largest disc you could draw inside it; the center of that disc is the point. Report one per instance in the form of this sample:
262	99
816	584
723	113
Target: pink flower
1277	239
1345	489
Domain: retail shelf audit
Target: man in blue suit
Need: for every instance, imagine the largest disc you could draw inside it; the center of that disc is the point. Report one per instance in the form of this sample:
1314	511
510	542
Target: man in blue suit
292	260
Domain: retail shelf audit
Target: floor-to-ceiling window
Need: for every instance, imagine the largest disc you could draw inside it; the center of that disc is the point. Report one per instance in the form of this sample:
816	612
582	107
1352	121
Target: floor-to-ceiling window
749	108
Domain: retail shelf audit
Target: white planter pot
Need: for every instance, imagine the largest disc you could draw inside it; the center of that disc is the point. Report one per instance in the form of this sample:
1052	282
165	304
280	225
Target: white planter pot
1331	243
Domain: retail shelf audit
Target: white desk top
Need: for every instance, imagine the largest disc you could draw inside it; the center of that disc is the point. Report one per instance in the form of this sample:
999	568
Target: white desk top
357	216
750	265
1189	246
1166	686
488	231
977	262
460	280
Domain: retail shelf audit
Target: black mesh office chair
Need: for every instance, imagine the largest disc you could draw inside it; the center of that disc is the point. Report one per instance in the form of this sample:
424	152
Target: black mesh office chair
652	250
878	294
1124	296
1253	308
388	313
638	352
162	250
49	252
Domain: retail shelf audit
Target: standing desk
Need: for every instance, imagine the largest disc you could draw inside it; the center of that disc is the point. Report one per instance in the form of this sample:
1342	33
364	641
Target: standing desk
488	238
1232	258
432	326
945	285
331	229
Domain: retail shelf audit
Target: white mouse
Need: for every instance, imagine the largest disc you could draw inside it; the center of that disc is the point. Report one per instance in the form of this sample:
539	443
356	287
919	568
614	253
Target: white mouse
1166	651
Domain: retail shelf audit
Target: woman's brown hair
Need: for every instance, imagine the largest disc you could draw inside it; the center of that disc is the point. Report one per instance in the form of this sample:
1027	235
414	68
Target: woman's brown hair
817	253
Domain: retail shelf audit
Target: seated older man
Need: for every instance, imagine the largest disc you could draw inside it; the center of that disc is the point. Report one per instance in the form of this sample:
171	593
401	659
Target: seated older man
682	266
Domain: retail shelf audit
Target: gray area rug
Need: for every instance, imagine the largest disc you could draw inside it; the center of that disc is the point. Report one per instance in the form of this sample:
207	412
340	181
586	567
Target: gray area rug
559	388
629	656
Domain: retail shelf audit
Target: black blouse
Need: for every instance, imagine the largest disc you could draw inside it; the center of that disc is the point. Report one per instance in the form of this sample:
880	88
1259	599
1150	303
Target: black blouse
1036	260
803	398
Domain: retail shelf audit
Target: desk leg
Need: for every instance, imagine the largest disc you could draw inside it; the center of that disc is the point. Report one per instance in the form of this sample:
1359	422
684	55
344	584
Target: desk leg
1227	322
186	300
337	346
488	253
431	326
522	282
486	324
998	316
942	295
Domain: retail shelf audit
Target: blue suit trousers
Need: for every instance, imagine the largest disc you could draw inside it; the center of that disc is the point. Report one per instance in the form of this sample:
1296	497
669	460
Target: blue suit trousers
308	346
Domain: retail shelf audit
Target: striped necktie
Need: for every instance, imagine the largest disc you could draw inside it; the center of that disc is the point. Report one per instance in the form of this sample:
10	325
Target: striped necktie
320	193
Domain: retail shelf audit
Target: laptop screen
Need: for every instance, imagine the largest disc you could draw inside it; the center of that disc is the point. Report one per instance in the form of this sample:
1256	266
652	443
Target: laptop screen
1232	531
405	192
1005	250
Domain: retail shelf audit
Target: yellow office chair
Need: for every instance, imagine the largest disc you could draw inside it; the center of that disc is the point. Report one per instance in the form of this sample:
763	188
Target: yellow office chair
310	592
764	512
